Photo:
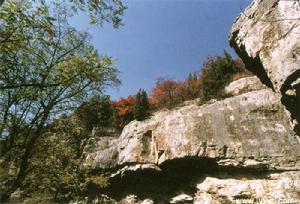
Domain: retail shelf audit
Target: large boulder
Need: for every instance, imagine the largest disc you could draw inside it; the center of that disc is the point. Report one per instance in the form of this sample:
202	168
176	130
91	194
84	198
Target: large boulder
266	37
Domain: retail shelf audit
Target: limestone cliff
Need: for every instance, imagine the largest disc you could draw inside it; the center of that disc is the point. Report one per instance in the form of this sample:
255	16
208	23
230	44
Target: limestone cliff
266	37
242	131
243	147
199	154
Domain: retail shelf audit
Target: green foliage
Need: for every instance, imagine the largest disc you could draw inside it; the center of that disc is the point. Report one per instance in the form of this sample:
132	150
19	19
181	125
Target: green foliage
99	181
192	77
98	111
217	73
100	11
47	68
141	107
193	86
57	162
116	119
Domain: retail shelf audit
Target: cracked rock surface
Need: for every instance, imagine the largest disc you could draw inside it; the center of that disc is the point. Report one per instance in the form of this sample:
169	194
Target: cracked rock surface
248	130
184	153
266	37
245	147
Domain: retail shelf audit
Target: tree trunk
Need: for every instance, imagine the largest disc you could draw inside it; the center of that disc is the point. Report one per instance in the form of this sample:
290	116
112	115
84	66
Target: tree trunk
25	159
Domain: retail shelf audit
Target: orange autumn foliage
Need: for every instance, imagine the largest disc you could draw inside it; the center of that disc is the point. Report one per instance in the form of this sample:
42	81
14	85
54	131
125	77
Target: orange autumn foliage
168	93
124	107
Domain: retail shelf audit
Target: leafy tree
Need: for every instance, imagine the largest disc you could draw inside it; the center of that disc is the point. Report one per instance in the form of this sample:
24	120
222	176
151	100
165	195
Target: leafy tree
217	73
168	93
47	68
193	86
55	165
57	174
192	76
141	107
100	11
98	111
124	108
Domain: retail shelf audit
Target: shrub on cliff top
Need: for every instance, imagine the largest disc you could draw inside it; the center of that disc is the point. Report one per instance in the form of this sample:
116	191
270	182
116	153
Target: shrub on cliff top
141	107
217	73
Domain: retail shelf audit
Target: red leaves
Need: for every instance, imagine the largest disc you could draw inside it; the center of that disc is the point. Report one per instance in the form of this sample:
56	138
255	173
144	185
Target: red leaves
124	108
168	93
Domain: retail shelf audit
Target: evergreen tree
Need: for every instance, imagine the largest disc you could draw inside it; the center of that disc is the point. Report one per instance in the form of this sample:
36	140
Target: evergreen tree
216	75
141	107
192	77
193	86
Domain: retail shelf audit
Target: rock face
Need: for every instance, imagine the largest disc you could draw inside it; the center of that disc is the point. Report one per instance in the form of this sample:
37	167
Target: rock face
277	188
232	132
243	149
266	37
177	155
244	85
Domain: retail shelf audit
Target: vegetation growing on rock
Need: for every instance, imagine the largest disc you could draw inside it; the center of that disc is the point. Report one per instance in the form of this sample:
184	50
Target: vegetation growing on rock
47	68
52	82
141	107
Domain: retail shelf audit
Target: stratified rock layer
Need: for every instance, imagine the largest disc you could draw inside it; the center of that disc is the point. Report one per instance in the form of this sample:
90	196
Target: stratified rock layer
243	149
204	154
275	188
249	130
244	85
266	37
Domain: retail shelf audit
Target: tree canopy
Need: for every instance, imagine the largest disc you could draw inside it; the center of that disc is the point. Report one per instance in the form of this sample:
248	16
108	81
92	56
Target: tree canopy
217	73
98	111
168	93
100	11
124	108
47	68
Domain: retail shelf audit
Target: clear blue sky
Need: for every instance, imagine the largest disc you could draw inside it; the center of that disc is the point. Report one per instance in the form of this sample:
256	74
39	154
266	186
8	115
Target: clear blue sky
163	38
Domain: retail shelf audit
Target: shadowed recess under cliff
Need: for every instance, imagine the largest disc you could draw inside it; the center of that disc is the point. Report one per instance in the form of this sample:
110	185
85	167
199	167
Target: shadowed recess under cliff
178	175
290	91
